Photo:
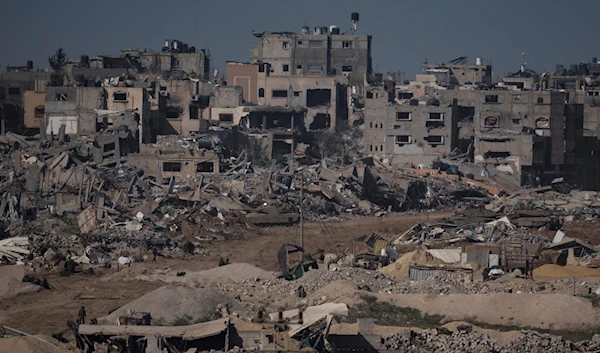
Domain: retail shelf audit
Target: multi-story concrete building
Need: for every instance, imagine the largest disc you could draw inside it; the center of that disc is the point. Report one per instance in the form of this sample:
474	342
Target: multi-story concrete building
73	107
414	132
313	102
324	51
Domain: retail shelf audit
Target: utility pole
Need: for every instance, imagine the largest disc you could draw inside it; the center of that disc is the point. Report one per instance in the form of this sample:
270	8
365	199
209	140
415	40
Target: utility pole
302	217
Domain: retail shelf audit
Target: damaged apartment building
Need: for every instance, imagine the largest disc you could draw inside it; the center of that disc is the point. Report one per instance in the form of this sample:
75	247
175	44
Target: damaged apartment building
324	51
413	131
281	108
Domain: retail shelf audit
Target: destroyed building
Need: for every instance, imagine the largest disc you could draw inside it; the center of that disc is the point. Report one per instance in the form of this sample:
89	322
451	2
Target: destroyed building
415	131
323	51
459	72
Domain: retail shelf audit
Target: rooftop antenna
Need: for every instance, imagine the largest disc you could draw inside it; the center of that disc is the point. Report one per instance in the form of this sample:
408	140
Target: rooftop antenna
523	63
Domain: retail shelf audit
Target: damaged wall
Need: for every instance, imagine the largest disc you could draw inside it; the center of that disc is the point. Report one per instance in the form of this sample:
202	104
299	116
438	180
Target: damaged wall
74	107
34	109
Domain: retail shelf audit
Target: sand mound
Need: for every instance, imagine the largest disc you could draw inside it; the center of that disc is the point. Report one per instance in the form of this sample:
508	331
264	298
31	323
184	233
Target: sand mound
27	345
236	272
10	287
169	304
399	268
556	271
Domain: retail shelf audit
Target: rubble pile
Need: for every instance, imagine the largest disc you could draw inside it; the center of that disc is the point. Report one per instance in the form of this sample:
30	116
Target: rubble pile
441	340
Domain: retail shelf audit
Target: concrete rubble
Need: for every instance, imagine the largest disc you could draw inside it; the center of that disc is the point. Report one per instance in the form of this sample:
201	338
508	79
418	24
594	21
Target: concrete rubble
465	340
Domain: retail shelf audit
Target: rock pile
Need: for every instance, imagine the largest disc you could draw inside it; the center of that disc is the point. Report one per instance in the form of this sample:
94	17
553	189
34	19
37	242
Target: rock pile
436	340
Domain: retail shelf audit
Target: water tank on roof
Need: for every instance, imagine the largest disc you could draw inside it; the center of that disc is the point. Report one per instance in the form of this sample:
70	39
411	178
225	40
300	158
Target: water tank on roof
413	102
333	29
478	61
318	30
192	50
305	30
85	61
29	65
355	16
175	44
594	60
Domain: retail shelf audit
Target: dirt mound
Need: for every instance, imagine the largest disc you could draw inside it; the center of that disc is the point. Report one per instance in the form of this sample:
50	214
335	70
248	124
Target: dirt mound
10	287
235	272
27	345
556	271
174	305
399	268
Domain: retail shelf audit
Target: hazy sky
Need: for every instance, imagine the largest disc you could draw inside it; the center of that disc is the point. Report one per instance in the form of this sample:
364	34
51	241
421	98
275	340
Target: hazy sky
404	32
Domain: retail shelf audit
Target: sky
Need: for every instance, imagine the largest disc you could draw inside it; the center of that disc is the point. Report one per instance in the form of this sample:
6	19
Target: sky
405	33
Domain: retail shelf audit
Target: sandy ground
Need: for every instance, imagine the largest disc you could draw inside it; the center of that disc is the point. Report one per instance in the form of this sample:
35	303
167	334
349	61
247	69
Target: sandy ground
47	311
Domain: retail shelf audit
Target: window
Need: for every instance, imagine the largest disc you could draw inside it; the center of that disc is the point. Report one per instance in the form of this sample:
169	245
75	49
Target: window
171	167
193	111
403	139
205	167
279	93
120	96
163	88
375	148
38	112
296	93
14	91
261	92
371	124
491	121
299	67
540	100
315	67
405	95
286	67
261	67
299	42
346	68
371	148
60	97
172	113
109	147
369	94
435	140
226	118
285	45
318	97
436	116
491	98
403	116
516	121
347	44
315	43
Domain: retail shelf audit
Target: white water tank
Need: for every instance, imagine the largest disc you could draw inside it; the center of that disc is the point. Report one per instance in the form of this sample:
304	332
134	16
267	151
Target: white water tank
478	61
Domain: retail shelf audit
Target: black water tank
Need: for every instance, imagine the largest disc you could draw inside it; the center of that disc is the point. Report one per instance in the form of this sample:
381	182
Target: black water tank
355	16
192	50
413	102
29	65
85	61
335	30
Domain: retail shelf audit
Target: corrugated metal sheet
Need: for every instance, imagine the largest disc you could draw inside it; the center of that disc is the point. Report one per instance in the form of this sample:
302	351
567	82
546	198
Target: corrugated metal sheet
479	255
419	274
449	256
